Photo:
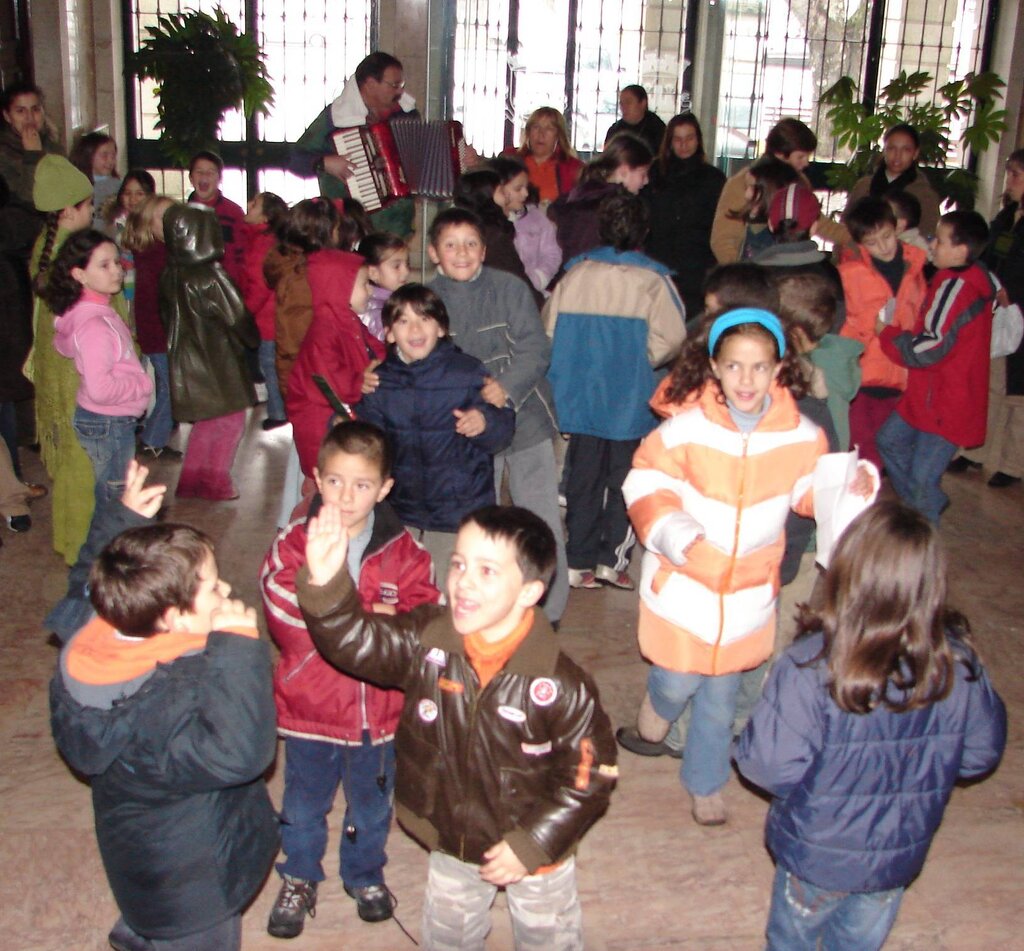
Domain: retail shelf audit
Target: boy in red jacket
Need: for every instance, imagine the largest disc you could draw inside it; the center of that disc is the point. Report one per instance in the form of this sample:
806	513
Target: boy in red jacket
945	404
337	728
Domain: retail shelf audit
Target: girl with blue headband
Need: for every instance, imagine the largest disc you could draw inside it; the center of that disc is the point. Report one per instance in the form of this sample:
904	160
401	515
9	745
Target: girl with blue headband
708	495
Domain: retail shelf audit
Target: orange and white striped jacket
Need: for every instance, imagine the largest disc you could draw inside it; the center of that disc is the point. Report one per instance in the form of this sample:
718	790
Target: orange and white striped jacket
697	479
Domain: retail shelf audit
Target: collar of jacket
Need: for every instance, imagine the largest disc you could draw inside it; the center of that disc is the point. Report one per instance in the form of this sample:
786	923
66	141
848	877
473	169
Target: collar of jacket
782	415
536	656
608	255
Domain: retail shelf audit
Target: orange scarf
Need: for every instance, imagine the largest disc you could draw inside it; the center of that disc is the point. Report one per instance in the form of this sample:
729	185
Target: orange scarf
488	657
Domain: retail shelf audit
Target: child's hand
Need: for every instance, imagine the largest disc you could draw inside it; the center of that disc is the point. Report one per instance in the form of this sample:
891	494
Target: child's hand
502	867
493	392
863	483
380	608
138	497
31	140
470	422
1002	298
370	379
232	613
326	545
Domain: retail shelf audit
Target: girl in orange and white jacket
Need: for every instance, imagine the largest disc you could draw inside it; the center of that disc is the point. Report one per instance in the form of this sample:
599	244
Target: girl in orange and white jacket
708	494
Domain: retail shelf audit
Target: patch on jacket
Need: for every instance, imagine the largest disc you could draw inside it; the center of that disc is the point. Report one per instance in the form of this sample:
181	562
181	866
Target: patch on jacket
511	713
543	691
451	686
427	710
437	657
388	593
536	749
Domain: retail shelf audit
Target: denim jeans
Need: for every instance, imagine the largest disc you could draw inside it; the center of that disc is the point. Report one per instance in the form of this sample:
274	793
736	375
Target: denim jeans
312	772
915	463
705	767
109	442
268	367
803	914
157	429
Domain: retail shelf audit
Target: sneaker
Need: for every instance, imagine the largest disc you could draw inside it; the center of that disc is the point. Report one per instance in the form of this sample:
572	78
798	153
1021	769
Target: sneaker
296	898
269	424
36	491
709	810
159	452
582	578
373	902
1002	480
19	523
629	738
962	464
617	579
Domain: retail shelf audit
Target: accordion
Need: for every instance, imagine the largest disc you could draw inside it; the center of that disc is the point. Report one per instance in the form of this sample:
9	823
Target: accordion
402	157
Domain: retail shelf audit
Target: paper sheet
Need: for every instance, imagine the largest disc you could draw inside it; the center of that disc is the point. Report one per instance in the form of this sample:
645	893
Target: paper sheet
835	506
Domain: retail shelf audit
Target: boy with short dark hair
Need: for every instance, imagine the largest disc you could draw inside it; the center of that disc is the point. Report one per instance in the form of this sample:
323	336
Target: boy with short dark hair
488	697
205	170
338	729
883	284
620	308
443	432
495	319
947	354
164	701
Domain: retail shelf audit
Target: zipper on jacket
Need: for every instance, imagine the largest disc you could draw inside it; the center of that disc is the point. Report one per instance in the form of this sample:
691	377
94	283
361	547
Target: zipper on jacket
732	562
466	765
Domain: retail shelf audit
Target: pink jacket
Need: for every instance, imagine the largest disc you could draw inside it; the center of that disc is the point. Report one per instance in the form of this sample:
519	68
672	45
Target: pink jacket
113	381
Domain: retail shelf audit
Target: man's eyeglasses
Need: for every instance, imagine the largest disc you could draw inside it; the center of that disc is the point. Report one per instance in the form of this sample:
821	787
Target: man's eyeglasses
398	85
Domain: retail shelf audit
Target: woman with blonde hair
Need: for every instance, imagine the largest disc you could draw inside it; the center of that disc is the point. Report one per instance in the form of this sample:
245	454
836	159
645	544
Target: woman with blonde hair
549	157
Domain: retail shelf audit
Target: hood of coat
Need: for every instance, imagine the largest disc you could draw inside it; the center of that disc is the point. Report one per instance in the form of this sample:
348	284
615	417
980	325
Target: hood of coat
71	321
193	235
332	276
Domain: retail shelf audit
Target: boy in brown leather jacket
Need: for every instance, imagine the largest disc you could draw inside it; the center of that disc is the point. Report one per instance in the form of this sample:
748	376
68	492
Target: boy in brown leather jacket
505	755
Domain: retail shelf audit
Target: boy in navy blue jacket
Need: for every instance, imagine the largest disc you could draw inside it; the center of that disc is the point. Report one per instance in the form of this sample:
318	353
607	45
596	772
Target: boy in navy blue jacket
443	433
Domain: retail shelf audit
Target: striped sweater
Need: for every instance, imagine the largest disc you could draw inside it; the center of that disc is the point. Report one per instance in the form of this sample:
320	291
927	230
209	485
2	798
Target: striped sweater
697	479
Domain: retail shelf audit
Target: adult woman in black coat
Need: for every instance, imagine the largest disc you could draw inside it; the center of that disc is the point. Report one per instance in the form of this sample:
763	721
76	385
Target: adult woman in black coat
682	197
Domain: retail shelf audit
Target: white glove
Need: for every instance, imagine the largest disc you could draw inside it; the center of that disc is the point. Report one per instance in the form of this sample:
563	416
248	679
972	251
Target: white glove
673	535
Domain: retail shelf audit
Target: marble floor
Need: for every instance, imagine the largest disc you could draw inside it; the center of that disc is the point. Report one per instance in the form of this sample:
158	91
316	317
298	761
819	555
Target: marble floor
649	877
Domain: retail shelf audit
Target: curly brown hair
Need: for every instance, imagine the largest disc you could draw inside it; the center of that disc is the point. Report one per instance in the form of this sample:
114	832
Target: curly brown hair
692	370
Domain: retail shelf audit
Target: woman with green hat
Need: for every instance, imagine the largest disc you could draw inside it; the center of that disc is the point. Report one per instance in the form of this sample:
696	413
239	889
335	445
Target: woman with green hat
65	195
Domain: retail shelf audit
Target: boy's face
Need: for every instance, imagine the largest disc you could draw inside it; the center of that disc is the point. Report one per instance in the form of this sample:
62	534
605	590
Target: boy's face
212	592
354	483
205	179
485	586
459	252
415	336
881	243
944	252
254	211
361	290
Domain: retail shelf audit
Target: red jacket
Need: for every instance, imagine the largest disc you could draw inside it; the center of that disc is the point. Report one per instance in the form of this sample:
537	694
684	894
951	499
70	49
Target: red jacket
336	347
232	223
315	700
258	297
947	356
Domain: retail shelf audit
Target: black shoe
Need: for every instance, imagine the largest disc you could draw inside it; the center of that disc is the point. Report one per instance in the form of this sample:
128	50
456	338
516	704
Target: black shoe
295	900
962	464
373	902
630	739
1001	480
269	424
19	523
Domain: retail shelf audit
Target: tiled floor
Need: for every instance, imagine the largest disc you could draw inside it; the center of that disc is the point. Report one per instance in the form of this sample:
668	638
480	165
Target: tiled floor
649	877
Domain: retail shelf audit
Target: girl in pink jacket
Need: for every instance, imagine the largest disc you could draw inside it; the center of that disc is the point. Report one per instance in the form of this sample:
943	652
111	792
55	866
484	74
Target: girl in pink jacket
114	389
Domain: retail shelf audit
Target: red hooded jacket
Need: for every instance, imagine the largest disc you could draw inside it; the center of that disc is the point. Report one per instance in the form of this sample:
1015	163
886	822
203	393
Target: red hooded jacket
259	298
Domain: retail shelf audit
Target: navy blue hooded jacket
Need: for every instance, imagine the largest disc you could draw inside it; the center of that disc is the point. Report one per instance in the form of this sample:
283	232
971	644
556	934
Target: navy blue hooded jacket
440	475
858	797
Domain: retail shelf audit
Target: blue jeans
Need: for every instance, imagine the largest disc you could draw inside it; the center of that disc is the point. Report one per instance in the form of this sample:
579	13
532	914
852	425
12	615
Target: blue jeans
312	771
159	422
268	367
803	914
109	442
915	463
705	767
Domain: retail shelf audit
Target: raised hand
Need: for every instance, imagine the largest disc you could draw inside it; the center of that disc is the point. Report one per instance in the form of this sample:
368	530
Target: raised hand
142	499
326	545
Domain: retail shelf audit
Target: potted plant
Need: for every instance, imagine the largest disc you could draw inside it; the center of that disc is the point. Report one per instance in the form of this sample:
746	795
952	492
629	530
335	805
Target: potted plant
860	130
202	66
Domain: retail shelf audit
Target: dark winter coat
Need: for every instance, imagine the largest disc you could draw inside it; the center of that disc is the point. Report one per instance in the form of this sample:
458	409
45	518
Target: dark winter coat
682	203
1005	256
440	475
858	797
575	217
529	759
208	327
149	327
650	129
18	229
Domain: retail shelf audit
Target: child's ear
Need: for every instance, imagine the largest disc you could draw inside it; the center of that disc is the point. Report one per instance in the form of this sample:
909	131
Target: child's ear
389	336
78	274
432	252
385	489
531	593
172	621
714	368
316	479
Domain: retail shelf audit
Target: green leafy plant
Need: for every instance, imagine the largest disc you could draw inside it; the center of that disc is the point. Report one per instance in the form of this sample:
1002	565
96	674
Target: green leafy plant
202	67
859	130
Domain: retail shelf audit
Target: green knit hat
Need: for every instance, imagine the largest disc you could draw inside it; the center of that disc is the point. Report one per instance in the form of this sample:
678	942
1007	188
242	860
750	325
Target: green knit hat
58	184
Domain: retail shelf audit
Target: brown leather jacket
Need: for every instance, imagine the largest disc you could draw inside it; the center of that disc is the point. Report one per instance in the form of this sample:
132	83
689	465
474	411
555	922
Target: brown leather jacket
529	759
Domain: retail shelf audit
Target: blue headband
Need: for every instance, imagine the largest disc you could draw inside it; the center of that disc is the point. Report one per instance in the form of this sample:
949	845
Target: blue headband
748	315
